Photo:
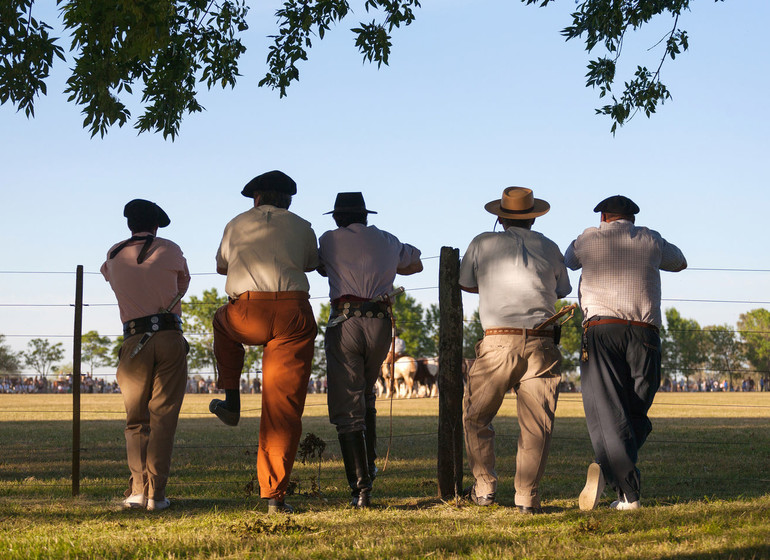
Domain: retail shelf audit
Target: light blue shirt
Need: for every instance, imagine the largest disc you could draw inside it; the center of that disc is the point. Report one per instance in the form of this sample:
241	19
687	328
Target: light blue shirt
362	260
519	274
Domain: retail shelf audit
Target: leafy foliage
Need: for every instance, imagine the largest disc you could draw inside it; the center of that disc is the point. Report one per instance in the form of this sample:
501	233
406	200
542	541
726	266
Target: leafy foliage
754	327
197	315
27	53
606	23
42	355
300	20
682	345
96	350
169	47
9	360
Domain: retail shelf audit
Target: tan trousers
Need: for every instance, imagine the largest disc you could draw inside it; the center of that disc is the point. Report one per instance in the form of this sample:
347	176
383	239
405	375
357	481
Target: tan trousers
531	367
283	323
153	384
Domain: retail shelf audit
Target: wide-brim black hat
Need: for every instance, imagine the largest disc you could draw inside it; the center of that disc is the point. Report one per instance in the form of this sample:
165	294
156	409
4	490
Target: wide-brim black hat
617	204
146	211
350	202
276	181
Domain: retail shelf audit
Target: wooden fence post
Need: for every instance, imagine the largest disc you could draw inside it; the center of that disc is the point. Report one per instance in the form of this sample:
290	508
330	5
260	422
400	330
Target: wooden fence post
450	381
76	359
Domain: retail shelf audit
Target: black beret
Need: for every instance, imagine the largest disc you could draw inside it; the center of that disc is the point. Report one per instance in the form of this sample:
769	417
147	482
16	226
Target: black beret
277	181
617	204
146	211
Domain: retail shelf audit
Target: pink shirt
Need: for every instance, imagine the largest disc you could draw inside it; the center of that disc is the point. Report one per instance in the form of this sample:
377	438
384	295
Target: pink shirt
147	288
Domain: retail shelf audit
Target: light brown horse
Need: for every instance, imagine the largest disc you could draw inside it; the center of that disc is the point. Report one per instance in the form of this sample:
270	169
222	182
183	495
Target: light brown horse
404	372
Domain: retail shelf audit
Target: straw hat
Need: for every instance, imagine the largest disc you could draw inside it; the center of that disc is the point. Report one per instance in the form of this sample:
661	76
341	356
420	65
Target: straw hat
517	203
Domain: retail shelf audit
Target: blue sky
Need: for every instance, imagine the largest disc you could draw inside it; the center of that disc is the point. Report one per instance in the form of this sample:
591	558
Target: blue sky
478	96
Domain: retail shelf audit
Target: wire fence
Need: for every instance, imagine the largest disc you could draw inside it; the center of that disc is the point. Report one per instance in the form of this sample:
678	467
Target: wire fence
116	451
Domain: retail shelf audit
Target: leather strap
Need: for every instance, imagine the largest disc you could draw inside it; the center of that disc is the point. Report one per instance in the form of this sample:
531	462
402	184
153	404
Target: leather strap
513	330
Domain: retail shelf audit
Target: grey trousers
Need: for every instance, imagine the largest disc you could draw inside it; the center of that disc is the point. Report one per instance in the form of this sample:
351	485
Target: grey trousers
355	350
531	367
619	382
153	384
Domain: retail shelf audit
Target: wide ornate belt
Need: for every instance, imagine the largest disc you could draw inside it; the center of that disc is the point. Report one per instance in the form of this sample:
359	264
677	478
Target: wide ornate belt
537	333
153	323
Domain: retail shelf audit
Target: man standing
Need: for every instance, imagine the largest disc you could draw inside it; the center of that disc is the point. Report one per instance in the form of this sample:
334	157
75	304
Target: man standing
265	253
620	363
361	263
519	274
149	276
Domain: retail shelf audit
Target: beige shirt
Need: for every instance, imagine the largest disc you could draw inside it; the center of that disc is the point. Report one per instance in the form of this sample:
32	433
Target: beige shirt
147	288
267	249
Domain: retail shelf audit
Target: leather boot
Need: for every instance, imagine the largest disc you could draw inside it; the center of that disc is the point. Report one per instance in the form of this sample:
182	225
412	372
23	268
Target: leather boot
353	447
371	440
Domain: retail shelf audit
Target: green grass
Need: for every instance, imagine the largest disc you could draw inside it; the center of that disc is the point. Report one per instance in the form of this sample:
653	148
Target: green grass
704	469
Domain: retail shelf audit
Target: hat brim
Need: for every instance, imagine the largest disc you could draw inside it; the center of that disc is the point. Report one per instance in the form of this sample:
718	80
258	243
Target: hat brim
350	211
541	207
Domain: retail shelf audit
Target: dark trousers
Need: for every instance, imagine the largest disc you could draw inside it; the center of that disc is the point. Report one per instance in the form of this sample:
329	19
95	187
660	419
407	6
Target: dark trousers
619	382
355	350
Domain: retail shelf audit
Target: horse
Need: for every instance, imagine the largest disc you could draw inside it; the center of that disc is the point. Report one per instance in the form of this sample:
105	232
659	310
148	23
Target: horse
404	371
427	375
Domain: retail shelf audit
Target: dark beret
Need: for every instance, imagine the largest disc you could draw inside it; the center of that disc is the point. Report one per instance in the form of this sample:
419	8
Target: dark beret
146	211
277	181
617	204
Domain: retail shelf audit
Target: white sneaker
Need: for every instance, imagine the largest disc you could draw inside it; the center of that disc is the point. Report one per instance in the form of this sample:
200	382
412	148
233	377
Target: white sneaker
594	488
157	505
623	505
135	501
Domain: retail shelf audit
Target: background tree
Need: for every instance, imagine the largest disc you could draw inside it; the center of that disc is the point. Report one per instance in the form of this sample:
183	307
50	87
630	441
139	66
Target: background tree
415	329
725	355
42	355
169	47
571	340
682	345
754	327
95	350
319	354
472	333
9	360
197	316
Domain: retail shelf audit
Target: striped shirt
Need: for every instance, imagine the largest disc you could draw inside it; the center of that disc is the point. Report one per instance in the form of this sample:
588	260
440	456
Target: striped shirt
621	270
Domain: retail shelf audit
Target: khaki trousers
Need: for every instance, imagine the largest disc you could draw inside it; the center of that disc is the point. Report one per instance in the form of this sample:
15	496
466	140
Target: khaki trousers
531	367
283	323
153	384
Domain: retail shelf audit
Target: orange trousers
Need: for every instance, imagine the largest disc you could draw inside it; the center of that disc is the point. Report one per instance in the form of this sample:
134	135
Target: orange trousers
283	323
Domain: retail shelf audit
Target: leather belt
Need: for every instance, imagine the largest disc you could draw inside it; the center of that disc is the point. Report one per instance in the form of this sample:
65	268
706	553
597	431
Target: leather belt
513	330
615	321
367	308
153	323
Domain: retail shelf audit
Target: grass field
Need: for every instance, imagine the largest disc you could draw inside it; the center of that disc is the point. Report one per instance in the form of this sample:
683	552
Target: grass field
705	476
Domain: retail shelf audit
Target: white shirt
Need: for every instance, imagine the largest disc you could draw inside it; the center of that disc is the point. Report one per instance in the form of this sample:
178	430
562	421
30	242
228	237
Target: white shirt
267	249
519	274
362	260
621	270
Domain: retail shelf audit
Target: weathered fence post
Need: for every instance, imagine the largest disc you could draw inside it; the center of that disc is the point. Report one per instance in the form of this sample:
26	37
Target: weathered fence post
450	381
76	358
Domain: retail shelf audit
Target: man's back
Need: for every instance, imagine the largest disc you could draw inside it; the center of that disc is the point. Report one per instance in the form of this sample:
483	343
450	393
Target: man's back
519	274
267	249
621	266
362	260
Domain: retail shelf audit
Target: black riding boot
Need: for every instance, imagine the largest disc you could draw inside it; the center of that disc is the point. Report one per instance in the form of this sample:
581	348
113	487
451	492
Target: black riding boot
353	446
371	440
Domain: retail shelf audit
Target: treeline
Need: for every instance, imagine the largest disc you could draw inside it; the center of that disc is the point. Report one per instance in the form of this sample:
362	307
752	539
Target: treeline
691	353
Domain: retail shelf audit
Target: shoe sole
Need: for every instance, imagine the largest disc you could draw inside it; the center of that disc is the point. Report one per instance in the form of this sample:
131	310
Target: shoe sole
227	417
594	488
